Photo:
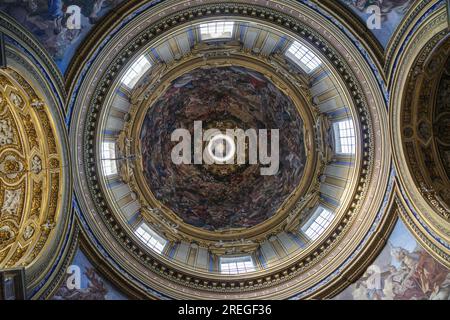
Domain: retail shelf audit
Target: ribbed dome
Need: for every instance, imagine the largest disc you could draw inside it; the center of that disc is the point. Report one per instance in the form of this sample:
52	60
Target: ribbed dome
222	196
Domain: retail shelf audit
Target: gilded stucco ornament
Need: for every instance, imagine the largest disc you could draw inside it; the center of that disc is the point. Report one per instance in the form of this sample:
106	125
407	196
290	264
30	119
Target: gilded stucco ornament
22	135
418	109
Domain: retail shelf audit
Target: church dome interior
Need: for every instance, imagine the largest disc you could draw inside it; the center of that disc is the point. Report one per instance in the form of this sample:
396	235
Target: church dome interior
218	150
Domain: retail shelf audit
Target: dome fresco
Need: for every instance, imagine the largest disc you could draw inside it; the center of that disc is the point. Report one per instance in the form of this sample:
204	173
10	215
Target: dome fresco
228	196
211	150
193	221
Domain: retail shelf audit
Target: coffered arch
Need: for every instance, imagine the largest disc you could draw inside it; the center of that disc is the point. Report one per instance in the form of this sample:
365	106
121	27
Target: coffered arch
35	167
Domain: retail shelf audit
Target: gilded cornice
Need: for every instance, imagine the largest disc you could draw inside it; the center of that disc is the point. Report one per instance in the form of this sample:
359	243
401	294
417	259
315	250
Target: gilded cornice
223	283
421	236
367	195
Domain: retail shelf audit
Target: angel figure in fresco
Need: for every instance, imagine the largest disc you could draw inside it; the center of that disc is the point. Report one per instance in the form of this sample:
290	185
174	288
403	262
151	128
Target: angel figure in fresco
374	283
90	9
386	5
49	20
432	276
96	289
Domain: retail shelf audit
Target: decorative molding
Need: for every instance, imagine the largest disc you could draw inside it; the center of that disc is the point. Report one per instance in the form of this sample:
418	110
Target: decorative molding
21	214
163	268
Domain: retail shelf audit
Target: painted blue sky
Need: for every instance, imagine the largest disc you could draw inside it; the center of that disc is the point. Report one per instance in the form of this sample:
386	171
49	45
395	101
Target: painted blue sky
392	13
